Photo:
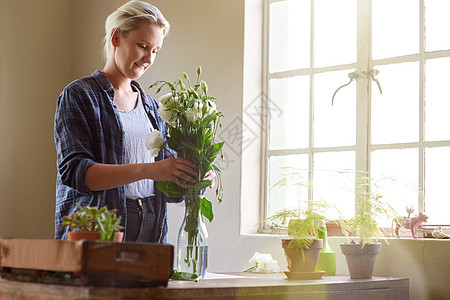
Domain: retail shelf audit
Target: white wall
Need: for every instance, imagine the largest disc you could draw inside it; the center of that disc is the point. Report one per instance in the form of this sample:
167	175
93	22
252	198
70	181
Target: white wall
36	61
210	34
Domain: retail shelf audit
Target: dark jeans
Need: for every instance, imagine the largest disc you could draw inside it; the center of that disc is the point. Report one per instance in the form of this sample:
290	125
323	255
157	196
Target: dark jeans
143	220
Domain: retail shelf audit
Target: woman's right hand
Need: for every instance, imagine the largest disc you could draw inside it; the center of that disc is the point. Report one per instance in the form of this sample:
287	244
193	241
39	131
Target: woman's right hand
107	176
177	170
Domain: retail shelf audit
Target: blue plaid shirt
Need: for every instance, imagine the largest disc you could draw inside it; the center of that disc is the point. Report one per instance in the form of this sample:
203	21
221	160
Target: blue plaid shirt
88	131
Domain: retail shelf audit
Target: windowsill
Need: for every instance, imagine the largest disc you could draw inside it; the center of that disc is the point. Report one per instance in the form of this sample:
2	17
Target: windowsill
337	238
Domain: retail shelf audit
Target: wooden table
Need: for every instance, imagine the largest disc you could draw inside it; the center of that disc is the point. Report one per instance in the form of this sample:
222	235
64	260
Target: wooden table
240	286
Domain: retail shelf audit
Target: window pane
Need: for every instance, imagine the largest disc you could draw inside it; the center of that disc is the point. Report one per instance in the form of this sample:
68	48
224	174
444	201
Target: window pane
334	183
290	196
334	125
395	113
437	24
291	129
335	29
437	99
395	28
437	204
396	174
289	35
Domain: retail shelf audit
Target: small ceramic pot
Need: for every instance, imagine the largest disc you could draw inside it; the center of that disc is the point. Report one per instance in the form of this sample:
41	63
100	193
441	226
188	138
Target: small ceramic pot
302	259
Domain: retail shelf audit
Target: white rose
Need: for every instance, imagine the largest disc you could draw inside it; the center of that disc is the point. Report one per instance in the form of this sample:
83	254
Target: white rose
165	114
255	258
267	265
164	98
209	108
192	115
155	142
198	106
264	263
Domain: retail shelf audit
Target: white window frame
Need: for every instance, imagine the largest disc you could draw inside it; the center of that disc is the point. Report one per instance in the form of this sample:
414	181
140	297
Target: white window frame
363	147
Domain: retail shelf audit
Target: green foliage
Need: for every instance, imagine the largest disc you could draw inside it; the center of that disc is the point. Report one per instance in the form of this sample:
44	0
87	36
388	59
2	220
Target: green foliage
192	121
206	209
292	177
302	223
301	230
93	219
177	275
108	224
369	207
170	189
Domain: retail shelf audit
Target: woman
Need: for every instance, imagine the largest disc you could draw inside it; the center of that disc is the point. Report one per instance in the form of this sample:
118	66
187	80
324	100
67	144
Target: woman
101	125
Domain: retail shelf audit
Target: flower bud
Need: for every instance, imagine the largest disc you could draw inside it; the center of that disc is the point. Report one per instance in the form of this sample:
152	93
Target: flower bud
204	86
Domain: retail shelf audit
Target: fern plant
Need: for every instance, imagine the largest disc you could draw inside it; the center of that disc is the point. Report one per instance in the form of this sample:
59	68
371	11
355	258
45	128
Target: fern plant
369	208
302	224
303	230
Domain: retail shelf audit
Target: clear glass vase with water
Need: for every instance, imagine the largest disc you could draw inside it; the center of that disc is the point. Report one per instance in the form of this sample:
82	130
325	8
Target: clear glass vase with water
192	244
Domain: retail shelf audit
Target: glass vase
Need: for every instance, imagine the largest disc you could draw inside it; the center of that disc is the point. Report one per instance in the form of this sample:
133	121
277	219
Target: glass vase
192	243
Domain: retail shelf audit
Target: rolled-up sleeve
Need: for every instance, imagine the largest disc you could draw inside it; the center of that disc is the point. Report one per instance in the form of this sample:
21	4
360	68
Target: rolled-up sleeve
73	139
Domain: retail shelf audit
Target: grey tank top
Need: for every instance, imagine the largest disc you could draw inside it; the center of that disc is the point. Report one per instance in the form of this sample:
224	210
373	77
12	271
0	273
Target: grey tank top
137	127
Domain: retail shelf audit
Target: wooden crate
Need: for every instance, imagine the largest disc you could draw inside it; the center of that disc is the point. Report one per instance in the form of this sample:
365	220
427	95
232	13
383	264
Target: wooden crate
86	262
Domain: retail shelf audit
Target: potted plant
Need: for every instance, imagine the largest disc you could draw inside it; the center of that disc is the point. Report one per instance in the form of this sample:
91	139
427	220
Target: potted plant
91	223
361	252
301	248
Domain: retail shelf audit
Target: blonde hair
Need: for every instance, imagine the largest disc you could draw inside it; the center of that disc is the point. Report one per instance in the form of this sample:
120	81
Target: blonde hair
128	17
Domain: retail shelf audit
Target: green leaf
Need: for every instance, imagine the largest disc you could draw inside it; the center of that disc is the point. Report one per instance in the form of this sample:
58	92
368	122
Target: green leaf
202	185
206	209
207	120
175	134
173	144
189	146
251	269
170	189
156	83
216	168
183	275
215	149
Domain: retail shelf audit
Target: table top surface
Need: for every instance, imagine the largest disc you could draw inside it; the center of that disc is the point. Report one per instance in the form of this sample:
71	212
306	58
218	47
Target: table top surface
241	279
268	286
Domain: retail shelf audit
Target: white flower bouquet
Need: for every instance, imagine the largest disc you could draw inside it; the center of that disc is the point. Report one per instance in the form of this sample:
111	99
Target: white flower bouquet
192	120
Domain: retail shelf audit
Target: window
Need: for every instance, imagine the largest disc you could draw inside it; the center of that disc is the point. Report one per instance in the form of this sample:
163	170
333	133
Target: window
391	59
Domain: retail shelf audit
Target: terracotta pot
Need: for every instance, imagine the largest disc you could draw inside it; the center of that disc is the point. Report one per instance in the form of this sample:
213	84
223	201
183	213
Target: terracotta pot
118	237
91	235
302	261
360	261
83	235
333	228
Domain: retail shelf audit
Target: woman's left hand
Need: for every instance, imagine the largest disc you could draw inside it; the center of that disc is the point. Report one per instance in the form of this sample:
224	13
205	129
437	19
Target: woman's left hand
210	175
